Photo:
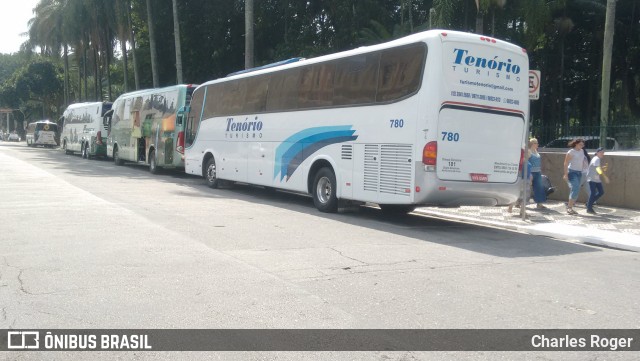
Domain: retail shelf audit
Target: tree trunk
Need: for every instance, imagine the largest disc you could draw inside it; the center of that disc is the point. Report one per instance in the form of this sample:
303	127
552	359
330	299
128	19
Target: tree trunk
108	62
66	75
136	74
95	72
479	22
152	46
248	40
79	98
125	65
606	69
176	34
86	82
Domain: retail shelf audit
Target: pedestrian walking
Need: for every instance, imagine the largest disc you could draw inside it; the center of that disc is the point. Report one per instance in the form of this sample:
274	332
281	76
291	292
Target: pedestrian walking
573	164
595	176
539	194
585	168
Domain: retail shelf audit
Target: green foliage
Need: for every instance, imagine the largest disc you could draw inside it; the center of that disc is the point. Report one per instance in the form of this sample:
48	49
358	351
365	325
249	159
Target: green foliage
212	41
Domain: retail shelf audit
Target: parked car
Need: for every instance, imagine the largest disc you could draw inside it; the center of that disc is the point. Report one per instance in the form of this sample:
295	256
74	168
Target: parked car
591	143
13	137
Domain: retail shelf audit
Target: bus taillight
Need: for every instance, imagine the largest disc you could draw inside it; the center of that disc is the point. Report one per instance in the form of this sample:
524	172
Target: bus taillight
180	143
99	138
430	153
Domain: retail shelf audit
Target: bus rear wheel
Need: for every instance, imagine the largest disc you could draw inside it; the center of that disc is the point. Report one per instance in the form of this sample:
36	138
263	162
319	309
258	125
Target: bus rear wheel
64	146
210	174
324	191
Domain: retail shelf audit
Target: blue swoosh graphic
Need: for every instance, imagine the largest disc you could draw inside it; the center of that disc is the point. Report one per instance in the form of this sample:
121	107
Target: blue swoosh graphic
298	147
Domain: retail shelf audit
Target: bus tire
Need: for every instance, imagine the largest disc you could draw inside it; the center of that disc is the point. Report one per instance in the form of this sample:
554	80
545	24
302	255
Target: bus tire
324	191
116	157
64	146
397	209
210	174
153	167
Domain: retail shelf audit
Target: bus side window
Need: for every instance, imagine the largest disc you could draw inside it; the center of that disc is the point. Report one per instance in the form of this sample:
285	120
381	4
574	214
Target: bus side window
356	80
283	91
106	120
400	72
256	94
193	116
315	89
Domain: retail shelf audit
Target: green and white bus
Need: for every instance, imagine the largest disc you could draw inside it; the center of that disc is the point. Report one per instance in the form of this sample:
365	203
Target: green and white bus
144	127
434	118
82	129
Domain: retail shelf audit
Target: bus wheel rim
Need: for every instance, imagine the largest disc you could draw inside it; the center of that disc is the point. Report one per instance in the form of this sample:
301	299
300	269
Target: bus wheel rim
324	190
211	173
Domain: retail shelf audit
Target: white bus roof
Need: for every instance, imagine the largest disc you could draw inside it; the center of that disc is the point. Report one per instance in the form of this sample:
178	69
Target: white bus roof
443	35
155	90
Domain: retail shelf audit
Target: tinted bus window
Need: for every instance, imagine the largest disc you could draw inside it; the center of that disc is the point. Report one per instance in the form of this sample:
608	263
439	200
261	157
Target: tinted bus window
283	90
400	72
356	80
193	121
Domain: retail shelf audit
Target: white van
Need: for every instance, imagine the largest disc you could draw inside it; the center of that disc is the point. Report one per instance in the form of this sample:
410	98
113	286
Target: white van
82	129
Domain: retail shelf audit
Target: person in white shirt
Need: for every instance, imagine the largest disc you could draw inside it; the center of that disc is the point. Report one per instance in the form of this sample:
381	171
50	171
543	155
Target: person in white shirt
595	175
573	164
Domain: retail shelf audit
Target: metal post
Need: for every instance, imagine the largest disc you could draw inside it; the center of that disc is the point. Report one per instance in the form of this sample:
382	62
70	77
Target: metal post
525	168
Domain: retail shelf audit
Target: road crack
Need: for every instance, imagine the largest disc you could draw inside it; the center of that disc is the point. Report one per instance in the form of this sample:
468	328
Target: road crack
347	257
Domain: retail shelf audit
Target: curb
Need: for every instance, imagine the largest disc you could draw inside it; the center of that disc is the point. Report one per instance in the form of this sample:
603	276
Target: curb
561	231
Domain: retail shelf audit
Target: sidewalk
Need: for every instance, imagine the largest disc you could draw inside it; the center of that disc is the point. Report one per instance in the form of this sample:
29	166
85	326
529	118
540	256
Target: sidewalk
611	227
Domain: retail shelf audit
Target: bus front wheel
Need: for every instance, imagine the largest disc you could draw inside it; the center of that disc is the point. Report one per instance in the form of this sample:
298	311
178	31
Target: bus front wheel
324	191
211	175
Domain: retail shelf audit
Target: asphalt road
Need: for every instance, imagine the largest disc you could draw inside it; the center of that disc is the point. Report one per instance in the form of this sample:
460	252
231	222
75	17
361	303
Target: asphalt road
87	244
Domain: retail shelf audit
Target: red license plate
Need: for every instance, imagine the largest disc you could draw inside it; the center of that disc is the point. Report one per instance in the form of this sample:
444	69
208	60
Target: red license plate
479	177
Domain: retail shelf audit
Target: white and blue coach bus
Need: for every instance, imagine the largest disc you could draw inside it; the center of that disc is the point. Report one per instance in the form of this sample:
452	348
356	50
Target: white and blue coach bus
434	118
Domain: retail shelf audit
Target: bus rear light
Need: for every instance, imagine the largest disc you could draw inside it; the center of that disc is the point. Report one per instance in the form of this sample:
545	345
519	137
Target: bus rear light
430	153
99	138
180	143
418	189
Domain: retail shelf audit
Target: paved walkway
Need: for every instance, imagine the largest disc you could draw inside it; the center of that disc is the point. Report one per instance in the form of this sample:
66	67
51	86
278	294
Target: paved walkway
611	227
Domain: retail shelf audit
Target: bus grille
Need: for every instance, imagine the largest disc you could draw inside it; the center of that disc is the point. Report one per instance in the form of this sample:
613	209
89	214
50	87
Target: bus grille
388	168
347	152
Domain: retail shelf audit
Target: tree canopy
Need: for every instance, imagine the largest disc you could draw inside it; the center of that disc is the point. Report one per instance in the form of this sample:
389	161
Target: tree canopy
102	47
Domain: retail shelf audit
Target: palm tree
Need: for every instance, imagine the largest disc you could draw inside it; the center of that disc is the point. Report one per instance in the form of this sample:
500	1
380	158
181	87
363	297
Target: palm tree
48	30
152	45
176	34
136	73
606	69
122	26
248	41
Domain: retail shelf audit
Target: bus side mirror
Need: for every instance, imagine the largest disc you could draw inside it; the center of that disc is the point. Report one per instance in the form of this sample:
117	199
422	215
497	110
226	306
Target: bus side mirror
180	115
106	119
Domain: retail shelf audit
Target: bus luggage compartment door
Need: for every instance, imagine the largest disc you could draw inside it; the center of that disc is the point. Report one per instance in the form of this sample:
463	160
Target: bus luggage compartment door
479	145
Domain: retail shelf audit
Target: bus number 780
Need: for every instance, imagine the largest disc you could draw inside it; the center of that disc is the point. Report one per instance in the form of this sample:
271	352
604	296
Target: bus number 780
451	137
